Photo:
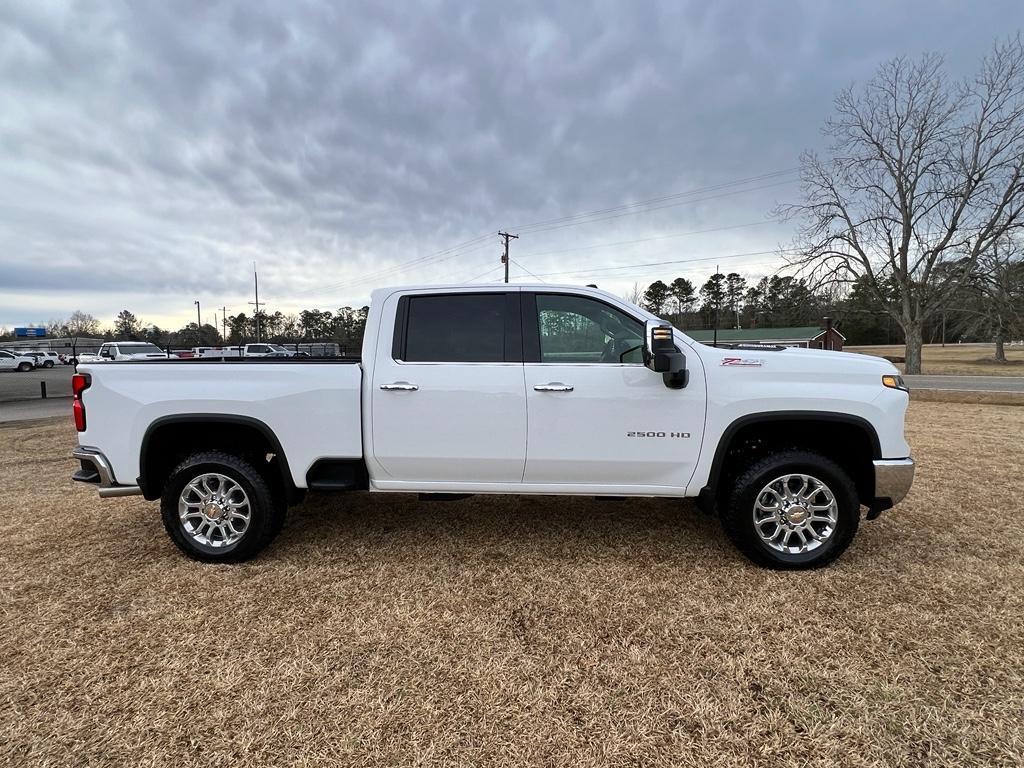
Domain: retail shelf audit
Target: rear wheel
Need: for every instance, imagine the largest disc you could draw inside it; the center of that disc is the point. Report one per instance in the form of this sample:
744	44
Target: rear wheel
793	510
218	508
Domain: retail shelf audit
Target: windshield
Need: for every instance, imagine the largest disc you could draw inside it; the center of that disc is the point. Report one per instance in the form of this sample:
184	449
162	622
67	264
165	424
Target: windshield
277	348
139	349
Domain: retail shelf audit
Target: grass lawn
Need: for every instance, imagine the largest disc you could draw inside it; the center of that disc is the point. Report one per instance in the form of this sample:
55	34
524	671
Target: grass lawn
529	631
957	359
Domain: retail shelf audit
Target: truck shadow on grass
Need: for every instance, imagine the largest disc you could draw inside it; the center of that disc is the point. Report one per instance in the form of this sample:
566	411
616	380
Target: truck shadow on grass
537	526
520	529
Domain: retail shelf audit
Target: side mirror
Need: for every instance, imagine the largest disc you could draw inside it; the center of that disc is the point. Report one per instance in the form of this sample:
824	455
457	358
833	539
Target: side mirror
661	355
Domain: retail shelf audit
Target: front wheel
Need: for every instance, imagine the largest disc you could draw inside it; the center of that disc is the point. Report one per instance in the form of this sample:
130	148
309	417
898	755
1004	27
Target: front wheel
794	510
218	508
48	364
24	367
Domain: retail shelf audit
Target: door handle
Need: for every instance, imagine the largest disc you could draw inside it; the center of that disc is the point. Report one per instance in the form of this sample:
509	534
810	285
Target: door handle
399	386
555	386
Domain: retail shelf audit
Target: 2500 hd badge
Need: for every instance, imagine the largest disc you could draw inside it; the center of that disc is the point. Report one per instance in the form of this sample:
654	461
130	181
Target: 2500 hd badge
657	434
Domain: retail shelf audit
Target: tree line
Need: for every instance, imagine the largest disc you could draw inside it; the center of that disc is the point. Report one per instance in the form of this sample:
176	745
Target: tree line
988	305
727	301
344	327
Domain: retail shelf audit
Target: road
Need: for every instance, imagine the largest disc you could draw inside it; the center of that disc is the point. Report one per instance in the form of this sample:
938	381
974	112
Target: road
968	383
15	385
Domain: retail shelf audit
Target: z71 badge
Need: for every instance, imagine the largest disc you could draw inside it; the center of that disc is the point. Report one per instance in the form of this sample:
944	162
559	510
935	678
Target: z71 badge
744	362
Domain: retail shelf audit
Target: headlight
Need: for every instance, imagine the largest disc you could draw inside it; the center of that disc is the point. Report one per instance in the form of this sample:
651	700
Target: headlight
895	382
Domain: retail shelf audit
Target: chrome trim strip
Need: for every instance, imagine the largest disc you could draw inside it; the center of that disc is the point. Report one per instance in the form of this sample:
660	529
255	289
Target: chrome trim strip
893	478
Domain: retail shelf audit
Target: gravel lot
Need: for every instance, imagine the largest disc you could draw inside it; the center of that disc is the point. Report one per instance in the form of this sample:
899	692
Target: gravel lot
532	631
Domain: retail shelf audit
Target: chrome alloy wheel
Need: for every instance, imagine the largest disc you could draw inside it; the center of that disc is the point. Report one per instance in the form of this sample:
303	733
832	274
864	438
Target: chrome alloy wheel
214	510
794	514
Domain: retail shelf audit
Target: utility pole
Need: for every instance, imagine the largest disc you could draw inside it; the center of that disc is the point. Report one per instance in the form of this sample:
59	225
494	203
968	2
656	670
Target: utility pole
718	301
504	257
199	326
256	283
224	322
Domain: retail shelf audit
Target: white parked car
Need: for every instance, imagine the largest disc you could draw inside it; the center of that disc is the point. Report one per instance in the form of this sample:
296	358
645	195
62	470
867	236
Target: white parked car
10	361
132	350
532	389
44	359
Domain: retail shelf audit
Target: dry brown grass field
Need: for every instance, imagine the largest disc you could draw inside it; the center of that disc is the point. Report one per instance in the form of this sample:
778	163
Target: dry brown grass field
517	631
957	359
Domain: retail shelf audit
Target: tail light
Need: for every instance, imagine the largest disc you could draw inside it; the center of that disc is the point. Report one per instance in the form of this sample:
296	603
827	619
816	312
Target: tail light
79	383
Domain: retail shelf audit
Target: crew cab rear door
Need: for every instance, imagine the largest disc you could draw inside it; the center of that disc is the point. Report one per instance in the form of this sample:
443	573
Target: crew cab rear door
598	418
447	398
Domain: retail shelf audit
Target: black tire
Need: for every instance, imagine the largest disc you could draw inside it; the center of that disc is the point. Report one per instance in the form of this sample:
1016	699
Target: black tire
48	364
738	515
266	511
25	367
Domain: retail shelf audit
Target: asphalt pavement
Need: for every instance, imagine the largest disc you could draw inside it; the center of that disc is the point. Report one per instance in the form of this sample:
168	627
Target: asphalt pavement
968	383
15	385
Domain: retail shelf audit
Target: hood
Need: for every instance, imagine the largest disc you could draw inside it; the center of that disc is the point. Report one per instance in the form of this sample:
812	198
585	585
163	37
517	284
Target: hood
794	359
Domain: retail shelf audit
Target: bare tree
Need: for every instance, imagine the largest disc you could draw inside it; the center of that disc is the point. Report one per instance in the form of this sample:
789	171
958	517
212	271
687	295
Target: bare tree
920	173
1002	271
82	324
991	301
635	295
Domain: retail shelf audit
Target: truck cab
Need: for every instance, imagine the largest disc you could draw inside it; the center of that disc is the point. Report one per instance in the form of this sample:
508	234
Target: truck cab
513	389
132	350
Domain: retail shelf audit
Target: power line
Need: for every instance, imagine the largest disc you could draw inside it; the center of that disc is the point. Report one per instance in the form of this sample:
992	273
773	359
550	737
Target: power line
455	250
526	270
586	217
609	268
660	207
663	198
647	239
482	274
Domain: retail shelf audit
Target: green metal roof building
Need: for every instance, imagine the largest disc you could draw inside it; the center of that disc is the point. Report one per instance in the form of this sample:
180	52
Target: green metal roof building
809	336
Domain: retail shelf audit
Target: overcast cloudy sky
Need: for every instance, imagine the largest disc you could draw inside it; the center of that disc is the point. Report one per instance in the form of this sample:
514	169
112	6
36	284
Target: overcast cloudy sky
149	152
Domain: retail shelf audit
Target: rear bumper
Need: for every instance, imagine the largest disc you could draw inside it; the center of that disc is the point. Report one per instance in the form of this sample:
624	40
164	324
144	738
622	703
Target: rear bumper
95	470
893	478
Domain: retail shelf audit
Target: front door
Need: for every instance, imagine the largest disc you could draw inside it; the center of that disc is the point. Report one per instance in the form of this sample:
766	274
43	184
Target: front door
597	415
448	399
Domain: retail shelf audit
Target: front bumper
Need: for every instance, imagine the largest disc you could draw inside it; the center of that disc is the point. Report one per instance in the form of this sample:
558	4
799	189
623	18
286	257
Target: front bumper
893	478
95	469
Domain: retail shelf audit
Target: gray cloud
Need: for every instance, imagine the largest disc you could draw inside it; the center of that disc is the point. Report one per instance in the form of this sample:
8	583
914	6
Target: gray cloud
150	151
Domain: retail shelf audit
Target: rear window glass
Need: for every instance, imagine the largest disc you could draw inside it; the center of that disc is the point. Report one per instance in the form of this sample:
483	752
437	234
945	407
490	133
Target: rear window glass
464	328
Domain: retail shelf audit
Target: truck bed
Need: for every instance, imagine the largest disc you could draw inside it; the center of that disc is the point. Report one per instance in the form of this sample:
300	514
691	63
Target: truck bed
311	405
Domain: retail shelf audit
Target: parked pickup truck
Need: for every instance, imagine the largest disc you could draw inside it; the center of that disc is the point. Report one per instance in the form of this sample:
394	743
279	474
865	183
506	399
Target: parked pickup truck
123	351
506	390
249	350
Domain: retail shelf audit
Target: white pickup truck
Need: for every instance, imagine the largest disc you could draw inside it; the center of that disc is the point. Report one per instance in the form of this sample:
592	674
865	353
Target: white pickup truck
525	389
249	350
